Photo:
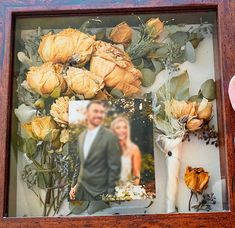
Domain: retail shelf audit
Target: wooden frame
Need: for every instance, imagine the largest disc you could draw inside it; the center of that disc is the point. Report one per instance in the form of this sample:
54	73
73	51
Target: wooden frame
225	9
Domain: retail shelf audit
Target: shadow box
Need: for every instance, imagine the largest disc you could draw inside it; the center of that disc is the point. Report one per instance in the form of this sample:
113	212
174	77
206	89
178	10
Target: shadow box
116	113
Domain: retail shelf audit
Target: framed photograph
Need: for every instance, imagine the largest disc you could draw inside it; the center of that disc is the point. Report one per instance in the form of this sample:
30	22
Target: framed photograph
117	109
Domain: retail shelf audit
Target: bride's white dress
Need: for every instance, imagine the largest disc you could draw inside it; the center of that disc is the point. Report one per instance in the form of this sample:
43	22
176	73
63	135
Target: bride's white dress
126	168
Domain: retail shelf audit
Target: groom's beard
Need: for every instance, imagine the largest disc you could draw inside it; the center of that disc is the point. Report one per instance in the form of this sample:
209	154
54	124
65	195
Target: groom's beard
94	124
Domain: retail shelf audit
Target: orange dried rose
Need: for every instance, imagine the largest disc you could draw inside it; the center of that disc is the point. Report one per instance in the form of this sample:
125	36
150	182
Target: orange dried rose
196	179
47	79
155	27
116	68
58	48
83	82
121	34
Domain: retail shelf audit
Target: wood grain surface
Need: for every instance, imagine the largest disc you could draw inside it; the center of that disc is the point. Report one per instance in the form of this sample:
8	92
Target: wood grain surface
225	69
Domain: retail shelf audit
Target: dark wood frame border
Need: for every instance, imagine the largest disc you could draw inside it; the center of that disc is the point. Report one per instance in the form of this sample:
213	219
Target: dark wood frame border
225	69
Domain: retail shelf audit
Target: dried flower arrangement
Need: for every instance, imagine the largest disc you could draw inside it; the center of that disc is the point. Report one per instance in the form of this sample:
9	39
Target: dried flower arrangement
83	63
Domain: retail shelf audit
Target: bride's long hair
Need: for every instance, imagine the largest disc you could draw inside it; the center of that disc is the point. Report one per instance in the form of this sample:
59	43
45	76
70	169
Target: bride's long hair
125	120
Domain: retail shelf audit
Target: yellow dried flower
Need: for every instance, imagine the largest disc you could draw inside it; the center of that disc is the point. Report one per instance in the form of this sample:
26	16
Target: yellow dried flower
116	68
46	79
121	34
42	128
84	82
179	109
196	179
58	48
60	111
194	124
64	136
204	110
155	27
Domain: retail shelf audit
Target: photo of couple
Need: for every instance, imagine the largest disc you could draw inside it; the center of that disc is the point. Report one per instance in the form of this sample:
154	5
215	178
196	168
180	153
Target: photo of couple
109	160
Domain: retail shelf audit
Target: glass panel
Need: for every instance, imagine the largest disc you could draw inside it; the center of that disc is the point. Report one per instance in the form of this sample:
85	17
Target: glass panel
155	69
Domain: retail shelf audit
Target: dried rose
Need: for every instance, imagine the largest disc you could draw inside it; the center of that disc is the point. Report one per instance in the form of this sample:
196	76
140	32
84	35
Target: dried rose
121	34
64	136
116	68
194	124
42	128
179	109
46	79
60	47
204	110
155	27
102	95
196	179
60	111
84	82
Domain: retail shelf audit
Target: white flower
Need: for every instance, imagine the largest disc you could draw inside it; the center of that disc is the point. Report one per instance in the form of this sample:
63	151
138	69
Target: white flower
25	113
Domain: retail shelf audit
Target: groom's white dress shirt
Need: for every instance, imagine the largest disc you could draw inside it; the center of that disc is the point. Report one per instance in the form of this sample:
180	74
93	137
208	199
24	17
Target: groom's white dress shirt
89	139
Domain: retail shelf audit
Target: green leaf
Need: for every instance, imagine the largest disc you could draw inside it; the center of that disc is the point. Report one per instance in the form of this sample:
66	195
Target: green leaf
196	98
162	52
208	89
180	38
100	34
116	93
29	147
148	77
42	180
179	86
158	66
189	52
139	63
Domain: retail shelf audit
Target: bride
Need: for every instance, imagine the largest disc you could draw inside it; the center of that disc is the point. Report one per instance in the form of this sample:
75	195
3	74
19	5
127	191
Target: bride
131	155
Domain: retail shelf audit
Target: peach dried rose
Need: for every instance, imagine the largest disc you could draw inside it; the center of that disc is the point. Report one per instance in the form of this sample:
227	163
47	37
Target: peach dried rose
121	33
83	82
155	27
196	179
60	110
46	79
204	110
179	109
194	124
60	47
116	68
42	128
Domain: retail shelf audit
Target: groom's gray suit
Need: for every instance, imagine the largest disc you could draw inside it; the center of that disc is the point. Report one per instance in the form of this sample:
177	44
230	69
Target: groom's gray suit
101	169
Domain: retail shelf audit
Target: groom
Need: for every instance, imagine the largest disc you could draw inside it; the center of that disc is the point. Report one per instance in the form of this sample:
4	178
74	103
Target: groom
99	154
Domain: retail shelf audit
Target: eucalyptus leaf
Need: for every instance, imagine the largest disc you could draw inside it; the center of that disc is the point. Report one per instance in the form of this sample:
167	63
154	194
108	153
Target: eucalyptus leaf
100	34
180	86
139	63
180	38
208	89
196	98
29	147
148	63
189	52
116	93
162	52
158	66
148	77
42	180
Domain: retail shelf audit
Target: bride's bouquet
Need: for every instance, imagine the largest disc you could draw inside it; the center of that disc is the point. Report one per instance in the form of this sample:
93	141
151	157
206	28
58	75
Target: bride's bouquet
127	191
